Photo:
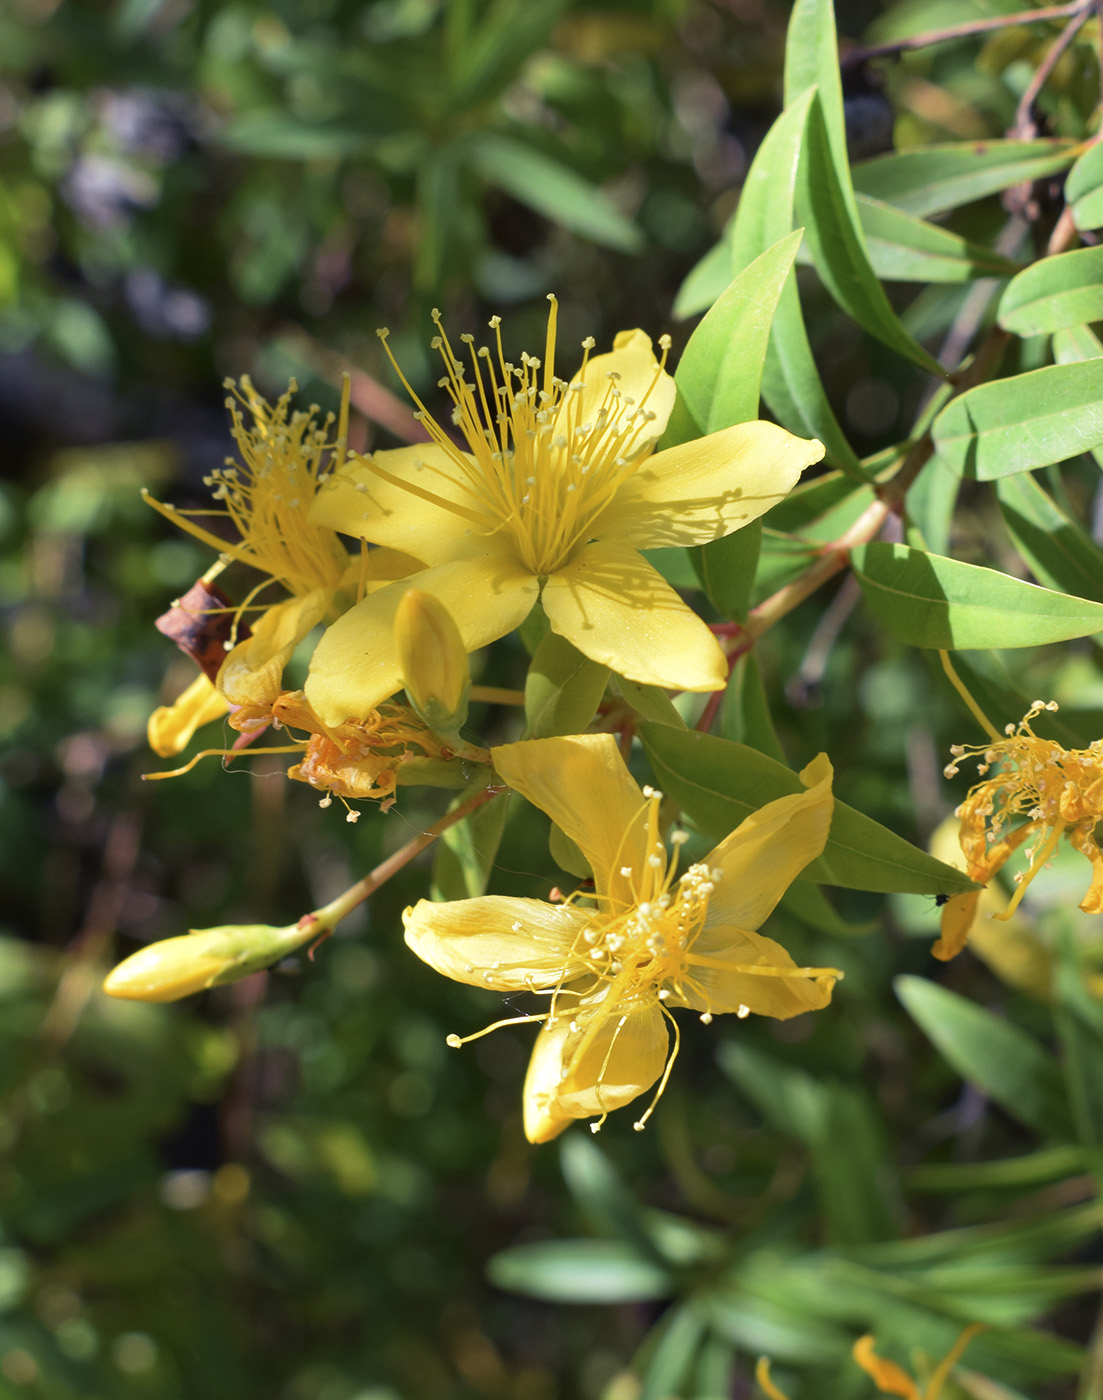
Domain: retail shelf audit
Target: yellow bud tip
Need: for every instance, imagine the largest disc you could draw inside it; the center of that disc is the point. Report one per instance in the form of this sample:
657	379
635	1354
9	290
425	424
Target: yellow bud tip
433	660
179	967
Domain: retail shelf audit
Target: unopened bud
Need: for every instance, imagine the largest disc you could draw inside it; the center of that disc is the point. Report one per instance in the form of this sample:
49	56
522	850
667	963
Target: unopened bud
433	660
177	967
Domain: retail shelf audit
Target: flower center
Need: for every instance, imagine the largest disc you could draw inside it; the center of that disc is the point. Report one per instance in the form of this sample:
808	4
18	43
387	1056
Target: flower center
545	457
644	947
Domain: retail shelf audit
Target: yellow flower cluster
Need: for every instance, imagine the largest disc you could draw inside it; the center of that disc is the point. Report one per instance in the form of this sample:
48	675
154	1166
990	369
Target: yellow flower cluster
543	493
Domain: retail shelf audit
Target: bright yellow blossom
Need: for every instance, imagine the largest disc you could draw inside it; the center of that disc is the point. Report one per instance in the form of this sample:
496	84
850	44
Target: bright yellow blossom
266	497
615	962
1059	790
558	490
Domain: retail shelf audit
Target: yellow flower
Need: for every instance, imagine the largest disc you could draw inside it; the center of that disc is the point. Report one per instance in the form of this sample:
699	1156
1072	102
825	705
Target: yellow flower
889	1378
1059	790
267	497
615	962
558	491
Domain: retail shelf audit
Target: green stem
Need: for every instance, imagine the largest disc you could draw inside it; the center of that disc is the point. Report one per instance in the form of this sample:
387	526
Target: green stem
321	923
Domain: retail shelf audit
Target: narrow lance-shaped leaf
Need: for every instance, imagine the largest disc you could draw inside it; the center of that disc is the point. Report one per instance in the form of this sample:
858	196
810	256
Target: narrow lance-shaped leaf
1058	549
1029	420
720	370
826	202
791	383
1084	188
719	783
926	600
932	179
1005	1062
552	189
1064	290
903	248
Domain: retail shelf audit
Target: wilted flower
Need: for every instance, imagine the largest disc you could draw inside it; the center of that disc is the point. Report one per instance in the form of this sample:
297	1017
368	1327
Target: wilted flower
1060	792
267	498
615	962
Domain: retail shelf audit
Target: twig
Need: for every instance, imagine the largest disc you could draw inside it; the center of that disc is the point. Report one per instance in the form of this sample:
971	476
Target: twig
965	31
326	918
1025	128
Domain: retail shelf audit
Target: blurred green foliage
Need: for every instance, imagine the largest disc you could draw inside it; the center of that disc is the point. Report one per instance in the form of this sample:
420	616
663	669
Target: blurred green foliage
290	1188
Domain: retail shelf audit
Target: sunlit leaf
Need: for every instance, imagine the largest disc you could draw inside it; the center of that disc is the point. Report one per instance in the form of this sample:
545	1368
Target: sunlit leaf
927	600
1029	420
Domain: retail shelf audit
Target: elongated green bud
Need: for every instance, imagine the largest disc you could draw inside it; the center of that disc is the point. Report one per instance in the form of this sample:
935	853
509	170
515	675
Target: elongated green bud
177	967
433	658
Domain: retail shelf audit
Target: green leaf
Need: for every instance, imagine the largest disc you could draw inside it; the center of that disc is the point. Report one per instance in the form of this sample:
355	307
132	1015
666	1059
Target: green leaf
810	905
931	179
649	701
601	1192
789	1099
825	202
466	852
720	370
552	189
1059	551
812	61
790	381
493	54
439	198
277	135
563	689
719	783
673	1348
903	248
704	282
1064	290
1079	1019
1003	1061
579	1271
926	600
1084	188
745	717
1076	343
567	854
726	568
856	1203
1030	420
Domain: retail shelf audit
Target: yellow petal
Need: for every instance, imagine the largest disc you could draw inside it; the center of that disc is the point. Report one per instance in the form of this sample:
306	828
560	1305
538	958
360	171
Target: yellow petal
1011	947
609	1057
633	361
721	964
619	611
359	501
889	1378
171	727
582	783
355	665
503	943
709	487
252	672
766	852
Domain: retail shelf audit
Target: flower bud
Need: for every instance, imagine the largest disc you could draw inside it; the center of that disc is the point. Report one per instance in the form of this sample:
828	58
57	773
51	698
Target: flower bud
433	660
176	967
